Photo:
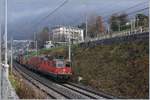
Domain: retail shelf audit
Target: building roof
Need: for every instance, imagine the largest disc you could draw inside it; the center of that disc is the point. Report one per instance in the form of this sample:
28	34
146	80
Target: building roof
59	26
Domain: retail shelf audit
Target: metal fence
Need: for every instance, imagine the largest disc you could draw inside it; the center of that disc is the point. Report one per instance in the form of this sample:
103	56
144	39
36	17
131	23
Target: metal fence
118	34
116	38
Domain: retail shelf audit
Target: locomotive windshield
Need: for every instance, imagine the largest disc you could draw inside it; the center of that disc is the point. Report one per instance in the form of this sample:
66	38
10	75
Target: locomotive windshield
59	63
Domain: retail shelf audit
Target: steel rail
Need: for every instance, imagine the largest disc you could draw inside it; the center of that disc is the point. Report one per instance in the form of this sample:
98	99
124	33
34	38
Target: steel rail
27	78
42	82
47	83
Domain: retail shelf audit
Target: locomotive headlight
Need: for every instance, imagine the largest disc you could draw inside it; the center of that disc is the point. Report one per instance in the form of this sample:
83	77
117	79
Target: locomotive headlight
64	70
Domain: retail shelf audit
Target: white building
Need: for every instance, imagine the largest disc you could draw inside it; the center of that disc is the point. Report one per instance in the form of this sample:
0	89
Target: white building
62	33
49	44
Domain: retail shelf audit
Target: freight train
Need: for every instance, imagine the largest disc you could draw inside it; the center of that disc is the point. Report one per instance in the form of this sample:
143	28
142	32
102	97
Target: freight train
57	68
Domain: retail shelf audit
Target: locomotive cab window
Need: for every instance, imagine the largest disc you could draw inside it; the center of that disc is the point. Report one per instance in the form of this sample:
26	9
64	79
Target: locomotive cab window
59	64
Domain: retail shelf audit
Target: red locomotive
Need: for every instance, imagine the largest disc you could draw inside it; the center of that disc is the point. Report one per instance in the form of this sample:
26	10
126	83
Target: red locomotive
57	68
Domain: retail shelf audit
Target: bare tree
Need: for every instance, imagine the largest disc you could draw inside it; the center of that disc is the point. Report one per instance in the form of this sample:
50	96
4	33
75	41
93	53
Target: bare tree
92	25
43	37
116	21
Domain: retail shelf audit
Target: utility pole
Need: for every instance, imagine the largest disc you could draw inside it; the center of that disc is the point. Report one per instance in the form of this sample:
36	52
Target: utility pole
86	38
134	26
137	23
11	54
131	27
6	60
86	24
5	73
69	44
35	42
0	61
27	49
108	29
36	46
119	26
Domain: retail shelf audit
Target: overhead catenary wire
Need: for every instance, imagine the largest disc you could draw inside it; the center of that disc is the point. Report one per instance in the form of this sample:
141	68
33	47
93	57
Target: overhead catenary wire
45	17
139	4
68	0
62	4
51	13
123	10
129	13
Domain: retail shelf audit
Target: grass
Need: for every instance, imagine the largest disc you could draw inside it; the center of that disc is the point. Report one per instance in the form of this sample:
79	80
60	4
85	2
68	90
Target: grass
14	82
24	90
45	51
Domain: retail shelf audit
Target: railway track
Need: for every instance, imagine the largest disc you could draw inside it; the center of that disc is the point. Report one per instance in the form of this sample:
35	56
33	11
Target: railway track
39	85
102	94
84	92
59	91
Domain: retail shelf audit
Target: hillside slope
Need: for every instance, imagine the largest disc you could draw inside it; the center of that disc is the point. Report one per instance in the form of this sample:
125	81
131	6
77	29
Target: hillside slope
118	69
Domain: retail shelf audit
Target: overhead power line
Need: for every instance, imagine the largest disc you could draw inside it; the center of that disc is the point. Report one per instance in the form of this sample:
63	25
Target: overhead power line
52	12
35	23
118	3
65	1
137	11
131	13
127	8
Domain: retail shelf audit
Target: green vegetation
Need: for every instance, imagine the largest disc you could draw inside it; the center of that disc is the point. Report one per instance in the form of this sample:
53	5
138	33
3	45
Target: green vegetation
21	89
14	82
24	90
46	51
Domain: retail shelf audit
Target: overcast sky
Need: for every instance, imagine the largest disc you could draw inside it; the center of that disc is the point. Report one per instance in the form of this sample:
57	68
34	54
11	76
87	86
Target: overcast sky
23	14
